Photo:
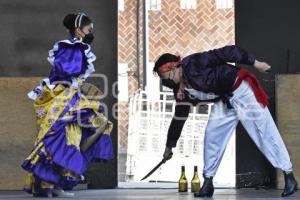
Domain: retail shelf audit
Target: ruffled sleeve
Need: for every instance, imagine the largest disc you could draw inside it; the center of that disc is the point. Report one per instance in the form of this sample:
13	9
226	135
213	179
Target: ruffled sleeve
71	60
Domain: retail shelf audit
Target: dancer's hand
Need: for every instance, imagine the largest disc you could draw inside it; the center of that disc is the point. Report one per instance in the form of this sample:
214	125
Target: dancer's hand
262	66
103	126
168	153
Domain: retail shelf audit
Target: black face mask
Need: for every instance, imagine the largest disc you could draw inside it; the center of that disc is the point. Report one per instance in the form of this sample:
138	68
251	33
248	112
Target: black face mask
169	83
88	38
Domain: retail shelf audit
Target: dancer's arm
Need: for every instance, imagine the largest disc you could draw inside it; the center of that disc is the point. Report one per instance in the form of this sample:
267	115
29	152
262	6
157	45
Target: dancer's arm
227	54
175	128
88	142
177	123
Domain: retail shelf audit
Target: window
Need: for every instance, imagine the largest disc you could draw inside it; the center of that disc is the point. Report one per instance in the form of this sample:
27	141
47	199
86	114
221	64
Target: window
188	4
121	5
224	4
154	4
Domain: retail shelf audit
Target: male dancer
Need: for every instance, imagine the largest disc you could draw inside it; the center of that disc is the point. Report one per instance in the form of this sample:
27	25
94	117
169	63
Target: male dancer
237	96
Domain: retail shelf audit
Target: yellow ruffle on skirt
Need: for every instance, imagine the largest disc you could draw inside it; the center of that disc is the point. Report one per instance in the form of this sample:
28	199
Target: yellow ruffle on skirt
65	118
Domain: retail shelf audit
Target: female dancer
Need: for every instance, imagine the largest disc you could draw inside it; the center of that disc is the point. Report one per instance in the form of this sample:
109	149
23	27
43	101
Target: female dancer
72	129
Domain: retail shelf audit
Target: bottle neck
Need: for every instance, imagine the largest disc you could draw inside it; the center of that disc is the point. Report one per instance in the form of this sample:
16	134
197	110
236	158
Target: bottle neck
182	171
182	168
195	171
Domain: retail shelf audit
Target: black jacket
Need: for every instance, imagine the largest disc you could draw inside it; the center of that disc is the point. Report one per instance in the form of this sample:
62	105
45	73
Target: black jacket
209	72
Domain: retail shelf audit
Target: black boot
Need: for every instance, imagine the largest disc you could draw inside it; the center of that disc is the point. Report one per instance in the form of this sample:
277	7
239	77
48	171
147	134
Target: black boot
290	184
49	195
207	189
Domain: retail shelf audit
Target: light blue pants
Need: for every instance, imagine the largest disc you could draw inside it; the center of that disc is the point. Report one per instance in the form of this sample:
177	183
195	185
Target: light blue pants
257	121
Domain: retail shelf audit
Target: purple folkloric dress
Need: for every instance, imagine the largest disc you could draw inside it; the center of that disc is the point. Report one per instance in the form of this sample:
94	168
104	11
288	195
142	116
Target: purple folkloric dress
65	118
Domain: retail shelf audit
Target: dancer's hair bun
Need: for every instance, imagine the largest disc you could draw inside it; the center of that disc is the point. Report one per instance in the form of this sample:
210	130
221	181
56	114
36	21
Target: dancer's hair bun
69	21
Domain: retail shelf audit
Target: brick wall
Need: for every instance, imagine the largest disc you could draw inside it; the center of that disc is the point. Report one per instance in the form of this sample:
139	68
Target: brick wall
184	31
130	51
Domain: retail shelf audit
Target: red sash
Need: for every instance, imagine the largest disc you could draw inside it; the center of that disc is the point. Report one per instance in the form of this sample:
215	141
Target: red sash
260	94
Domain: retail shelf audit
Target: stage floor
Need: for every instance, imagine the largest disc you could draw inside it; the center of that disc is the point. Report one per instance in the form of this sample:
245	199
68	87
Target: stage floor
152	194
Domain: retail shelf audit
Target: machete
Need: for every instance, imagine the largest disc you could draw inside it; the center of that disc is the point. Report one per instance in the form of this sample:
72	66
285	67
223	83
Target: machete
163	161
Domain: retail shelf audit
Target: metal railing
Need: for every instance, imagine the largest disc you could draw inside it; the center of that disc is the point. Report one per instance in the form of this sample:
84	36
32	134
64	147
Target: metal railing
149	121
